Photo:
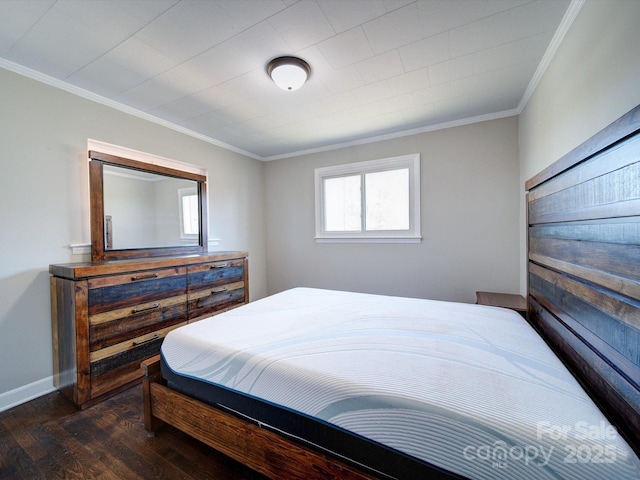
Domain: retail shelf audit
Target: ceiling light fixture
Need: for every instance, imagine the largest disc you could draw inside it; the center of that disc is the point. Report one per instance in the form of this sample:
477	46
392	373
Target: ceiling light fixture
288	73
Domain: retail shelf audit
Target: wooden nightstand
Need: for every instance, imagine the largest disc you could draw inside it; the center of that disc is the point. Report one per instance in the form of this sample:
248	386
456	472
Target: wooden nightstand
504	300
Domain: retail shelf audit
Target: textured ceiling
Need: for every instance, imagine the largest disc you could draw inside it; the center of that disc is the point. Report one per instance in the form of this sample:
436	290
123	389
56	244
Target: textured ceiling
379	67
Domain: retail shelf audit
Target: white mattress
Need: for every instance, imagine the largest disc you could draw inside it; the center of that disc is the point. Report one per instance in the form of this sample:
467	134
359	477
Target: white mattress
469	388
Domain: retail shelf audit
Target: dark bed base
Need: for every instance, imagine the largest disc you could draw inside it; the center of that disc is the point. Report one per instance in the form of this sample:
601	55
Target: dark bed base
267	451
584	267
308	431
260	449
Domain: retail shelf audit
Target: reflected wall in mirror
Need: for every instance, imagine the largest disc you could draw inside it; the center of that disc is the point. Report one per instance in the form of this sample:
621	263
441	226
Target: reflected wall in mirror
141	210
149	210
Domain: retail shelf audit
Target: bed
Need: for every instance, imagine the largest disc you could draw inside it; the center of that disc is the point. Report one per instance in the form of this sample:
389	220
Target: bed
439	390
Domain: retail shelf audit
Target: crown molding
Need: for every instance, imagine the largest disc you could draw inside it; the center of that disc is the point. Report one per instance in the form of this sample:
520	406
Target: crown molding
566	22
404	133
563	28
94	97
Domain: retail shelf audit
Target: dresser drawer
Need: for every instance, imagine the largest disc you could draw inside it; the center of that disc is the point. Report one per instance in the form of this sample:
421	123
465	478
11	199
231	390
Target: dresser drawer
215	287
115	326
214	300
117	291
120	363
214	274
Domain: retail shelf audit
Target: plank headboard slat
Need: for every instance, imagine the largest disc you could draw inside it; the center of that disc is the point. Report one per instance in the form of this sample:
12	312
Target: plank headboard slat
611	391
584	266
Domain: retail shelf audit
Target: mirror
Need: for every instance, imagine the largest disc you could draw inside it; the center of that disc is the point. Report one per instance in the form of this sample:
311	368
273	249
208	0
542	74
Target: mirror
143	210
147	209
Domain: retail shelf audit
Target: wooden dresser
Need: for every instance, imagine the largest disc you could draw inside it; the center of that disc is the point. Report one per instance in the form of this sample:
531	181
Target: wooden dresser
109	316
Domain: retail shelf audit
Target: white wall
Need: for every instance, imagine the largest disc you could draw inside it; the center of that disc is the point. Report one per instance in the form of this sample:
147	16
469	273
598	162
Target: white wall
131	205
469	219
44	205
593	79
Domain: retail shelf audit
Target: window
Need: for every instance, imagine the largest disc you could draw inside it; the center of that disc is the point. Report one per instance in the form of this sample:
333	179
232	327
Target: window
189	219
375	201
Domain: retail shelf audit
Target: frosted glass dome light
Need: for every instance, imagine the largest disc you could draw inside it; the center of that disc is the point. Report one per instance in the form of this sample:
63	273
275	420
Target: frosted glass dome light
288	73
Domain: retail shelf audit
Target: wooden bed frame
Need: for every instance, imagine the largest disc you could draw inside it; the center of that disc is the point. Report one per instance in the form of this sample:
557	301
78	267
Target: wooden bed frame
584	267
583	298
260	449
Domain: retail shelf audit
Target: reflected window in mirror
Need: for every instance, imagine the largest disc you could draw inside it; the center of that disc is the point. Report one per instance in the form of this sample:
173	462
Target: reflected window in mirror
188	208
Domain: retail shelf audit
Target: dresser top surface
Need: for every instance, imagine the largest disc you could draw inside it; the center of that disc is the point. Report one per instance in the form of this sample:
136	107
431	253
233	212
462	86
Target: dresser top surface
92	269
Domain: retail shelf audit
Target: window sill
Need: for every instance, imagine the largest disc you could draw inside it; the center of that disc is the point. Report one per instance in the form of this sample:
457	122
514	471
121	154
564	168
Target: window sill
338	239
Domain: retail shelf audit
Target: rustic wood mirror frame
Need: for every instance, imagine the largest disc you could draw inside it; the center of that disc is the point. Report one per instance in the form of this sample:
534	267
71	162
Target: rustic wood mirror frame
99	252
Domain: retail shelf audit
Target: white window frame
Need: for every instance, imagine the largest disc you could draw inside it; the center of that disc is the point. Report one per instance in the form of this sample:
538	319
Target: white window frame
412	235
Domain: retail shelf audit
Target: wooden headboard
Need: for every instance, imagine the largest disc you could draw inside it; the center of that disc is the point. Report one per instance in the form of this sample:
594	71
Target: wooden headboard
584	267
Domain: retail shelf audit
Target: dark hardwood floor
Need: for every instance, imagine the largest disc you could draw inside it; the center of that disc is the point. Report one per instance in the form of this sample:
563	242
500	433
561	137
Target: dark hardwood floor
49	438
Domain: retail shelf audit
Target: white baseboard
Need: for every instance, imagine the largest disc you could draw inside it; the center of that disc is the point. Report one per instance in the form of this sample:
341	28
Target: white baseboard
25	393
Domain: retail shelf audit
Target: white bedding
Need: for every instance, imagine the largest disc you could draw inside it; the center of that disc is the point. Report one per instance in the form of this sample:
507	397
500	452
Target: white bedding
468	388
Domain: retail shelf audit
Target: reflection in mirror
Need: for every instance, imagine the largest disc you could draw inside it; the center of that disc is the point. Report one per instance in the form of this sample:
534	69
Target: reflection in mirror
141	209
146	210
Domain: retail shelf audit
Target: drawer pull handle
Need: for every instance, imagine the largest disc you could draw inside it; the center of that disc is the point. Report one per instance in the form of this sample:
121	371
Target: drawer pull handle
142	342
144	277
219	265
152	307
218	290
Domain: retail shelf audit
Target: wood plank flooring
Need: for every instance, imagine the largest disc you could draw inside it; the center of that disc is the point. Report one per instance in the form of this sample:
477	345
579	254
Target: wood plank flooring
48	438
